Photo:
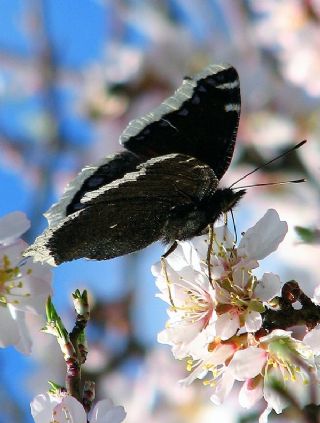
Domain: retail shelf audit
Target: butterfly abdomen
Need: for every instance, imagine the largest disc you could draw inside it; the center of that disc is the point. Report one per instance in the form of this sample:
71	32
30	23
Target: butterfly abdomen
183	222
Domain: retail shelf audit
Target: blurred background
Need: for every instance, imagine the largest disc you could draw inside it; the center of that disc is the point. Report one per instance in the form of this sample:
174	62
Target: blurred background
72	75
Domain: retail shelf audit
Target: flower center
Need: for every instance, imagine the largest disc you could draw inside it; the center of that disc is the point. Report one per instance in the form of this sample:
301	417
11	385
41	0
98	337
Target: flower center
196	307
286	359
288	369
9	281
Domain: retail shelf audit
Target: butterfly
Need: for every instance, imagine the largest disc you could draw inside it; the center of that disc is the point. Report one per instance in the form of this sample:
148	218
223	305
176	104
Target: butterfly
163	186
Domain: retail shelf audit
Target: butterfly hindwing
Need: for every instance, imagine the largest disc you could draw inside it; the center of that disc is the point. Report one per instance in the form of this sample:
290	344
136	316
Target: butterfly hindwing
129	213
200	120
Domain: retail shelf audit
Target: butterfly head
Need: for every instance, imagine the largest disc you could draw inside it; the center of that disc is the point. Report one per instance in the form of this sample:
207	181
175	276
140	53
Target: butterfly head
223	200
229	198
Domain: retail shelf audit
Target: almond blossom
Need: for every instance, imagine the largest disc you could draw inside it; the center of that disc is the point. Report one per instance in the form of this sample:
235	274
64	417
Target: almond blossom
278	357
24	285
216	303
202	309
191	317
63	408
258	363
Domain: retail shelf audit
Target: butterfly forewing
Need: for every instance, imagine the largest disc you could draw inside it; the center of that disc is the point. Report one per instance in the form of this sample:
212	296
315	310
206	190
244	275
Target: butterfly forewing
90	179
200	120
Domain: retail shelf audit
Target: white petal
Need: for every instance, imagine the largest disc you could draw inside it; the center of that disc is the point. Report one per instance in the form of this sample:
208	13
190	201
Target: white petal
191	255
9	332
247	363
200	342
264	237
241	272
218	356
187	279
180	340
184	255
36	287
198	373
69	410
183	333
200	244
12	226
221	354
273	399
42	407
24	344
253	321
13	252
163	338
268	287
156	269
276	333
249	394
177	259
240	275
222	388
312	339
105	412
227	325
223	237
264	416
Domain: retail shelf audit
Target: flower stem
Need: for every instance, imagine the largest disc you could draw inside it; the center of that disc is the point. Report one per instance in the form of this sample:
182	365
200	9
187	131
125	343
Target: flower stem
77	339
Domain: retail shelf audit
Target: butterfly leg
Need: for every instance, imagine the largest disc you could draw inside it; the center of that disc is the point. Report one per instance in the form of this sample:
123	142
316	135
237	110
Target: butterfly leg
170	250
211	236
234	228
165	273
164	269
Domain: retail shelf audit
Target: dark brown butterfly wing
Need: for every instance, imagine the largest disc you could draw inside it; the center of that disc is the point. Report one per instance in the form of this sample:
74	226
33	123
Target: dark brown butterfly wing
129	213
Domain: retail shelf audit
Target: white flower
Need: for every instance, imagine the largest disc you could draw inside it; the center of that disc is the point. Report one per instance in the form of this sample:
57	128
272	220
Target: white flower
214	322
240	296
278	357
234	299
226	363
191	298
24	285
63	408
211	360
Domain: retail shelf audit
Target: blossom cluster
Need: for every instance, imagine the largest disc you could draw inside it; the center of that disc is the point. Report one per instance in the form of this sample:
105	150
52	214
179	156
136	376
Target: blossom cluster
217	305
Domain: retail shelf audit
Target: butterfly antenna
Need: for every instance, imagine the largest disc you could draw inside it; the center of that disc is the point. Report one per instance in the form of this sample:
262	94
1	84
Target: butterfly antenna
294	181
300	144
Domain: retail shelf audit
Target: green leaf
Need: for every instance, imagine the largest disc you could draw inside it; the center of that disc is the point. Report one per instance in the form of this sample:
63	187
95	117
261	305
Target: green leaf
308	235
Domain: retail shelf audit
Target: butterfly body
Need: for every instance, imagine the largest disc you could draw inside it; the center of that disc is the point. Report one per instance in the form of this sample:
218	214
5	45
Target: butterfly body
192	220
164	186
